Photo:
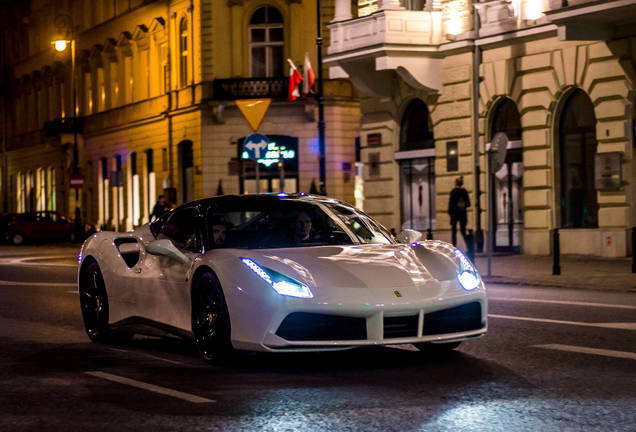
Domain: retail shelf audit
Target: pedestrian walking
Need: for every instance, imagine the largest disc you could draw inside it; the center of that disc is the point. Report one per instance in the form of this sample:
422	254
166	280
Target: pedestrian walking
160	208
458	204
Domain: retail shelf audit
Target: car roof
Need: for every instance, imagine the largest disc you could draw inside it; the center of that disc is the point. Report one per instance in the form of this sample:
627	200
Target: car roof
265	197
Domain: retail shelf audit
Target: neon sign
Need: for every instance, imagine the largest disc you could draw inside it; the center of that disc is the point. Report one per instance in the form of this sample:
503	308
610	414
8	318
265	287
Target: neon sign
273	154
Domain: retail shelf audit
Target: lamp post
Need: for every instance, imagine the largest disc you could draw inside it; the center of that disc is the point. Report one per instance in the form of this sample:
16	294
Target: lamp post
64	25
321	109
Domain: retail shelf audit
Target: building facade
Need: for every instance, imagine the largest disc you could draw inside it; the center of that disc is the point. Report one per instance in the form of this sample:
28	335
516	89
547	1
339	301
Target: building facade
156	84
539	92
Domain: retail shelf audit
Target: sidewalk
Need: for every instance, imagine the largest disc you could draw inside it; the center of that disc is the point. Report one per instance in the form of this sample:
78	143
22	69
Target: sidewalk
577	271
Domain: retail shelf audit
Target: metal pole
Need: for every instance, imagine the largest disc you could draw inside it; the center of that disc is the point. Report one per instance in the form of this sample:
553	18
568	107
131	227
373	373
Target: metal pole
281	165
479	234
321	111
429	233
258	179
78	222
491	235
633	252
556	253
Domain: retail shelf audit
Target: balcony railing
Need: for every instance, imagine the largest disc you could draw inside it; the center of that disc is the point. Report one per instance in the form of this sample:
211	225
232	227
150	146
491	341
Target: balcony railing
247	88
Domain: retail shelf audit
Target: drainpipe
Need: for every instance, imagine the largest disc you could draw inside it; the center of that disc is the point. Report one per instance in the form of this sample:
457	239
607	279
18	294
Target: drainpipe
171	22
192	51
479	233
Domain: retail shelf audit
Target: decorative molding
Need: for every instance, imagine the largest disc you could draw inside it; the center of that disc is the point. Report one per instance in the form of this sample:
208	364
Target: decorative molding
231	3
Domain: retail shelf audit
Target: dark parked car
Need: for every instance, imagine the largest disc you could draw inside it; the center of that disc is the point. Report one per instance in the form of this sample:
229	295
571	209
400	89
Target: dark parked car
42	225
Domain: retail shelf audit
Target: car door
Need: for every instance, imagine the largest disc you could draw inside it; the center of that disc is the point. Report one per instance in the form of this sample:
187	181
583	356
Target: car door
163	284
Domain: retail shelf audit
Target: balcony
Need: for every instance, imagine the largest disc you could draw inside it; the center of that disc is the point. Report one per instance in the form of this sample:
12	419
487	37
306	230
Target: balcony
591	19
63	126
249	88
372	48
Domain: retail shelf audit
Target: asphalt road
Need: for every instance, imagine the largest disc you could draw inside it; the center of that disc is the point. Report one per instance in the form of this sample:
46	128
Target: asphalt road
553	359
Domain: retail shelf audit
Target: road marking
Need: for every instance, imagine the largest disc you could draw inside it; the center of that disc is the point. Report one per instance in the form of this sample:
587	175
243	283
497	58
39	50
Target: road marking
150	387
612	325
585	350
25	261
147	355
565	302
19	283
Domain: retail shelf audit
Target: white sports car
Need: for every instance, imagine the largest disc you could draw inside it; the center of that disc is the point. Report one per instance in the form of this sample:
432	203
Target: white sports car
278	273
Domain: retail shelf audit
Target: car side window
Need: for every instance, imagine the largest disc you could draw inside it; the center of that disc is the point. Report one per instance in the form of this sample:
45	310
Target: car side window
182	227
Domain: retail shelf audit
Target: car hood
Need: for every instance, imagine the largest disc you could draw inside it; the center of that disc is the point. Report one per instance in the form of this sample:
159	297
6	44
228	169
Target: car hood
352	266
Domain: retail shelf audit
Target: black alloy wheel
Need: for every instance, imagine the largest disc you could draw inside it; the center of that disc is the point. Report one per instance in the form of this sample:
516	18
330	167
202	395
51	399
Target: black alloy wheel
436	348
210	319
94	303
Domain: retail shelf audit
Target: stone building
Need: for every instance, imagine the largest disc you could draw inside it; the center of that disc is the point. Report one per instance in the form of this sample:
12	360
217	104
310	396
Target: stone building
552	80
156	84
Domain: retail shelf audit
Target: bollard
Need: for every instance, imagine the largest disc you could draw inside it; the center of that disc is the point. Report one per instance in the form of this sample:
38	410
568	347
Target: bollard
633	252
470	246
429	234
556	253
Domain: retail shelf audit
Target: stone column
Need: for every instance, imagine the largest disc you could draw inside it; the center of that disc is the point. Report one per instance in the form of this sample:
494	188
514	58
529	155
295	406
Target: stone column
343	10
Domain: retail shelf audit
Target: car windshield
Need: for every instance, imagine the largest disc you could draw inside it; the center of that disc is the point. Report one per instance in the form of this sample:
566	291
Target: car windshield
264	224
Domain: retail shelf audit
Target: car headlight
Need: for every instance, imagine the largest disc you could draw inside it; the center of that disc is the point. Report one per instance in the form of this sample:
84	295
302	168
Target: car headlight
282	284
467	274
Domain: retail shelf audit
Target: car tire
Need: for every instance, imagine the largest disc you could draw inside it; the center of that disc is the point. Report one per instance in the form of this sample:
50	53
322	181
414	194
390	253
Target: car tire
94	303
210	319
436	348
17	239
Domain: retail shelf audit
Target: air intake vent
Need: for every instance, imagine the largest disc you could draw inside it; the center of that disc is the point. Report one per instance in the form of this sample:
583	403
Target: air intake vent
397	327
305	326
454	320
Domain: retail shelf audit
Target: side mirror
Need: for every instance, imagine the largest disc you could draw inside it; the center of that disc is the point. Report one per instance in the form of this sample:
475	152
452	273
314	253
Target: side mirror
165	247
409	236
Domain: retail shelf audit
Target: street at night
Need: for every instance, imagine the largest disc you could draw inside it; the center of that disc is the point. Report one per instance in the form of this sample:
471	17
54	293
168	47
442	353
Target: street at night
553	359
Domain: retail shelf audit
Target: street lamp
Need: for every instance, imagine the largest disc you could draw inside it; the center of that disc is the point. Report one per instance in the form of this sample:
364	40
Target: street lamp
64	25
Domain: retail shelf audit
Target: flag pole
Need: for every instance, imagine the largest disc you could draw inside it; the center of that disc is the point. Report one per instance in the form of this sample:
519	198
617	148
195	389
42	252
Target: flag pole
321	111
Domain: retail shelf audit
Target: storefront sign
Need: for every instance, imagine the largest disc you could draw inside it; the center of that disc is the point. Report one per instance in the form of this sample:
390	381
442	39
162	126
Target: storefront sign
279	147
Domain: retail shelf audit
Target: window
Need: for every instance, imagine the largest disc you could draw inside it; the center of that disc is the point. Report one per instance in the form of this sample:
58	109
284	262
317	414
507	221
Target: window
128	80
577	139
21	196
151	181
101	90
114	85
104	204
41	193
88	89
266	42
51	203
164	73
182	229
416	131
135	189
183	50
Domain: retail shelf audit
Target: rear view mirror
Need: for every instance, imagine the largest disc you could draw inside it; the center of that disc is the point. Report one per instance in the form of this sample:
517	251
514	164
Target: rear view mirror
409	236
165	247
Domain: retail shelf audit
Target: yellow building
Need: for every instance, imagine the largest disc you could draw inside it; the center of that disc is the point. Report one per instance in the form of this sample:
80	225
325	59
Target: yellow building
156	84
553	80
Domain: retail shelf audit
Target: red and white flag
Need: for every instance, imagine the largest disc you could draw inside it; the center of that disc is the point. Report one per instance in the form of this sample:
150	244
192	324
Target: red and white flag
308	77
295	78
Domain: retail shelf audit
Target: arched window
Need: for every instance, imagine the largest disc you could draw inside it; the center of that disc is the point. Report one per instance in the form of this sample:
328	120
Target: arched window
266	43
183	52
416	131
506	119
577	148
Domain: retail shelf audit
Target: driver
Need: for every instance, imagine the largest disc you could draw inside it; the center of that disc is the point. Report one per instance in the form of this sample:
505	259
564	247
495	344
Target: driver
219	231
302	227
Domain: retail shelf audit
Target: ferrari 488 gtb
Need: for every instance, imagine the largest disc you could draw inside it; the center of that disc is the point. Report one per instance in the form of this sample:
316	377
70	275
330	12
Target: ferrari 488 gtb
278	273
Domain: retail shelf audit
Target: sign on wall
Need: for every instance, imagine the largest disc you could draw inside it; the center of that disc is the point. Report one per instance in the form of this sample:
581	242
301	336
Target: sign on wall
607	170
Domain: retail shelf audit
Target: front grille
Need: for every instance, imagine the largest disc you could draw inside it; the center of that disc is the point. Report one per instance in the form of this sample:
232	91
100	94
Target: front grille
397	327
305	326
454	320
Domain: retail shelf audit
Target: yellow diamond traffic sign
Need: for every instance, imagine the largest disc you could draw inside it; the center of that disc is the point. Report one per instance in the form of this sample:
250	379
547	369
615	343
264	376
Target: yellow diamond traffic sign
253	110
